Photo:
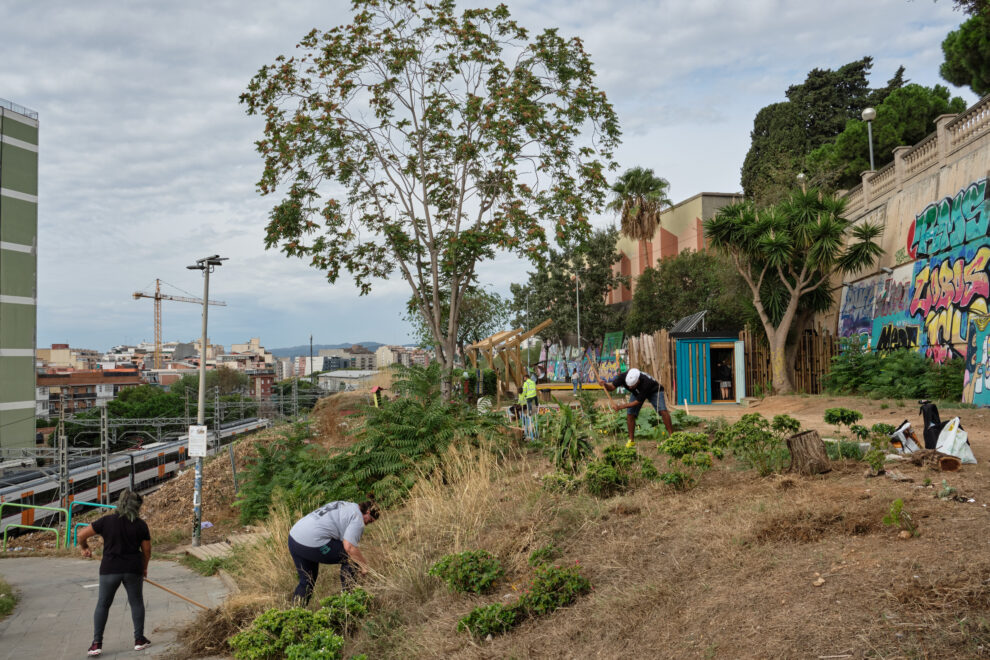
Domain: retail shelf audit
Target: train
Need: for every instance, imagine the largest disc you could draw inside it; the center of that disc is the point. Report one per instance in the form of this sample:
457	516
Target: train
139	469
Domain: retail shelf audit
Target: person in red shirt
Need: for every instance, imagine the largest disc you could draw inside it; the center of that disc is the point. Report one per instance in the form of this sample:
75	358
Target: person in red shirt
126	552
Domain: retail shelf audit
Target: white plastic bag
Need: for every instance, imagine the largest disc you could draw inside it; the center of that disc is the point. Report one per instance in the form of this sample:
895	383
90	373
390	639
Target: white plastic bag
954	441
903	435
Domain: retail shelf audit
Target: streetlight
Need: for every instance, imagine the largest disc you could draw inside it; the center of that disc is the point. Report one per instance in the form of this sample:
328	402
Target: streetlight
207	264
577	289
802	180
869	114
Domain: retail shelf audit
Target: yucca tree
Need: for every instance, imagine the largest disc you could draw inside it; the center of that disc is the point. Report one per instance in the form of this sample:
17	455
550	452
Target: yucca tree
639	196
787	254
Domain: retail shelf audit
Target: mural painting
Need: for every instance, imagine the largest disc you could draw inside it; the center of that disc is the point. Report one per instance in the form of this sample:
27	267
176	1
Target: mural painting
856	309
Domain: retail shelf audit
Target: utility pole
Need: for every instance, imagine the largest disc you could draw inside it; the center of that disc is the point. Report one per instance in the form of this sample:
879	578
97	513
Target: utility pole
206	265
217	417
105	454
312	369
295	396
577	288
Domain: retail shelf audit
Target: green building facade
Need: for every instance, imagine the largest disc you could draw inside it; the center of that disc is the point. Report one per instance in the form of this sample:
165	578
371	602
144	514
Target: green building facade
18	273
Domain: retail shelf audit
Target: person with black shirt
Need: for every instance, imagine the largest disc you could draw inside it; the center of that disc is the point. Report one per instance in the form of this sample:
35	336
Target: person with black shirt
642	388
126	552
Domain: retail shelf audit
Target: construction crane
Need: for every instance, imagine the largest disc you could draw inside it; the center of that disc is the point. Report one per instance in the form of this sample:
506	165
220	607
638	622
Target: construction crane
158	297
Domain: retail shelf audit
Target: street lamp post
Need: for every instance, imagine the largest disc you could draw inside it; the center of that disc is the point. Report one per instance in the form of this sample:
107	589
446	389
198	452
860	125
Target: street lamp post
206	265
802	180
577	288
869	114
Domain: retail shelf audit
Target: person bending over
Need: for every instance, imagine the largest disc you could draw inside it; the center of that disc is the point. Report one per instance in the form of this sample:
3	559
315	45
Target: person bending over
126	552
642	388
330	535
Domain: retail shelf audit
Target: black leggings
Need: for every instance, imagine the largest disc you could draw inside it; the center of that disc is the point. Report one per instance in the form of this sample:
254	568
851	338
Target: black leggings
308	559
133	584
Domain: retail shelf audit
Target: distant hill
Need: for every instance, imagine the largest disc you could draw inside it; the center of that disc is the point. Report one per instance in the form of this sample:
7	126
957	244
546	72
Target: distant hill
295	351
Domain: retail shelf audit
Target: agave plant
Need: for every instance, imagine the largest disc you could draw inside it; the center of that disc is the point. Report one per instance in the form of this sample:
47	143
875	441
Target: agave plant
567	440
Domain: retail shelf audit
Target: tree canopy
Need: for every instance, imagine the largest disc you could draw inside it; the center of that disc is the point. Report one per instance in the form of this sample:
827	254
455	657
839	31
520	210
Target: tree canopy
685	284
639	196
483	313
419	141
552	291
801	243
815	112
905	117
967	55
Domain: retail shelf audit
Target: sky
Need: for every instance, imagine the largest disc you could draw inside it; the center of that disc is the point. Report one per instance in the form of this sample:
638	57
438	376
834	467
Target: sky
147	159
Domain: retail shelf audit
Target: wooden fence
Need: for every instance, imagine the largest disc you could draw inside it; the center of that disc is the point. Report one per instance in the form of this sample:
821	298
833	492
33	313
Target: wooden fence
812	361
656	355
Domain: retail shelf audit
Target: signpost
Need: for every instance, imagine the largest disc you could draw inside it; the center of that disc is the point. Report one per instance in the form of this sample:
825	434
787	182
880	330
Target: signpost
197	441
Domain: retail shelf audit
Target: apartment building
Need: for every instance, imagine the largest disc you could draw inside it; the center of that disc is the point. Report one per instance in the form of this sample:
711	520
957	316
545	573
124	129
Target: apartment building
81	390
18	272
355	357
60	356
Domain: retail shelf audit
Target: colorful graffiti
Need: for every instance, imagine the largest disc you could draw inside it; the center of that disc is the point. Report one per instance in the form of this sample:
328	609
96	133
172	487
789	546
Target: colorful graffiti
893	337
950	222
856	311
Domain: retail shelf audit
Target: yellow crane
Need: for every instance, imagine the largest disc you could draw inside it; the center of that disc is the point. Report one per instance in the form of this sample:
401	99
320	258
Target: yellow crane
158	297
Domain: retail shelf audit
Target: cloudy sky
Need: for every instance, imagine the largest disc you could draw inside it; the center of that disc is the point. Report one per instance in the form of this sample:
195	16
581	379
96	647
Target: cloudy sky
147	159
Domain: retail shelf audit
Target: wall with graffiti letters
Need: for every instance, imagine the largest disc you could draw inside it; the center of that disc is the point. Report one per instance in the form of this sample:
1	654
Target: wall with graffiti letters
934	299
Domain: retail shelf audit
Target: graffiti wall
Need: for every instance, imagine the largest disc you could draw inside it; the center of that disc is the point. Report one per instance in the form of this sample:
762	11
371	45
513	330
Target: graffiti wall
937	302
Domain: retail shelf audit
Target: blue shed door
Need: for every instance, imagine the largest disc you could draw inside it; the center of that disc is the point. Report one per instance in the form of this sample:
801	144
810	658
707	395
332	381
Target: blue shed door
694	372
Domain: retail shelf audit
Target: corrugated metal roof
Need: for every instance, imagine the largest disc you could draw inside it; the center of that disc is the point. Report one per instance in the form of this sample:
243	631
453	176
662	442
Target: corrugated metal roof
689	323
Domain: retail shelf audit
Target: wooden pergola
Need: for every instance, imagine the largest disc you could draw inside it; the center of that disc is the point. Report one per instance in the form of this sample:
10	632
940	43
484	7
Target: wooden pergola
507	346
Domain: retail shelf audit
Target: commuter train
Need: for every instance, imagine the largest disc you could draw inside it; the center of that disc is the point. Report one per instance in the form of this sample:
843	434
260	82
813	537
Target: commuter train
137	469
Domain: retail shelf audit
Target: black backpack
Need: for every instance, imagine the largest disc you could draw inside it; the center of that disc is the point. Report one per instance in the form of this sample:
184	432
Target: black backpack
933	423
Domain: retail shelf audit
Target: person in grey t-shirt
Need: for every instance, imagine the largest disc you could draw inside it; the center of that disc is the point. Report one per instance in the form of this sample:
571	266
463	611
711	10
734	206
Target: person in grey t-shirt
330	535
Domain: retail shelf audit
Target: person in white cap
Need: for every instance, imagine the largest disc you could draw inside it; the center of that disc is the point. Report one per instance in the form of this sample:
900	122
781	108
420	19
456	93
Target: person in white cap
642	388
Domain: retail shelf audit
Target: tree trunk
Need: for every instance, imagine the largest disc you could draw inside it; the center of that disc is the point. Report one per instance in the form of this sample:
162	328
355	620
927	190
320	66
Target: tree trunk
778	364
808	454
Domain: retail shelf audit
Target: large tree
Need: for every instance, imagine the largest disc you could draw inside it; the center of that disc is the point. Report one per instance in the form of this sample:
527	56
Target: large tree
685	284
638	197
577	269
815	112
905	117
967	55
420	141
799	245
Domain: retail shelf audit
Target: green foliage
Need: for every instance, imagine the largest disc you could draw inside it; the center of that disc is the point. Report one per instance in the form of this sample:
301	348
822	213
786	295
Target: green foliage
566	437
348	174
879	435
787	254
842	449
604	480
206	567
491	619
560	482
551	589
397	443
902	374
967	54
638	198
685	283
299	633
758	442
473	571
691	451
482	314
898	517
946	492
840	417
550	293
905	117
229	381
543	555
591	412
8	599
815	113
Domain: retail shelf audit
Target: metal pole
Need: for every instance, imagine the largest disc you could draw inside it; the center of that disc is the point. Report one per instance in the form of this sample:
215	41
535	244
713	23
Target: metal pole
869	133
105	454
200	417
312	369
63	461
577	287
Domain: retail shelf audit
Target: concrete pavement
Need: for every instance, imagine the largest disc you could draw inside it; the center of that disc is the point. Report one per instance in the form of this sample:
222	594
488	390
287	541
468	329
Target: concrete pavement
53	618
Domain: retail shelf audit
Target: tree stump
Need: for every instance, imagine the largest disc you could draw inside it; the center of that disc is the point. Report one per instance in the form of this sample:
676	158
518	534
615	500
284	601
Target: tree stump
808	454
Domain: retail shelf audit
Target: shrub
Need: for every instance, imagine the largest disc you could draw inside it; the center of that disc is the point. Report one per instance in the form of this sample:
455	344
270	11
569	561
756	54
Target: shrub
758	442
840	417
490	620
603	480
691	451
879	435
341	612
322	645
560	482
619	467
567	438
474	571
842	449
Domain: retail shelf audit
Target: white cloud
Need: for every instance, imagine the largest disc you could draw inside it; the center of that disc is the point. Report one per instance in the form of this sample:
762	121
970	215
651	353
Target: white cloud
147	159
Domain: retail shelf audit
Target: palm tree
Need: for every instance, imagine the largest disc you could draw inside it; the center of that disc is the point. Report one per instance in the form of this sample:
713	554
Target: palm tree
639	198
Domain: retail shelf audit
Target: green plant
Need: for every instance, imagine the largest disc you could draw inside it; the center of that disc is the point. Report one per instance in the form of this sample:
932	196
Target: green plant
8	599
473	571
927	482
879	435
901	374
691	451
842	449
591	411
205	567
840	417
898	517
566	438
321	645
604	480
560	482
551	589
946	492
272	632
884	406
342	612
543	555
758	442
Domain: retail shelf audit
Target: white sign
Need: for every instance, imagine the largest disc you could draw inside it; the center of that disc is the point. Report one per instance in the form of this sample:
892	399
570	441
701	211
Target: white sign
197	441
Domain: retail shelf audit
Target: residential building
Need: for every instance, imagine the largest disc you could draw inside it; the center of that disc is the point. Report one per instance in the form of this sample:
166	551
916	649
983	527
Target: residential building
254	347
679	229
351	379
284	369
359	356
81	390
262	381
305	365
18	272
60	356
